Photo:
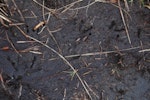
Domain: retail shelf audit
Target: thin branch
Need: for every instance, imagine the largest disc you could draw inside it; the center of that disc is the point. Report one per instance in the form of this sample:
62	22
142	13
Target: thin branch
97	53
50	10
123	19
126	5
18	10
50	32
145	50
12	45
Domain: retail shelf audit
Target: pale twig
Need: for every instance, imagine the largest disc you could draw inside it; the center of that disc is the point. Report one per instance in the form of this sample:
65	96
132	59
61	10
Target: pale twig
50	10
43	13
90	4
18	10
53	31
145	50
5	18
43	10
126	5
12	45
87	8
3	12
34	49
49	15
2	82
3	85
36	52
21	31
14	24
64	94
122	10
41	30
67	7
91	90
25	41
123	19
97	53
50	32
84	6
35	16
20	91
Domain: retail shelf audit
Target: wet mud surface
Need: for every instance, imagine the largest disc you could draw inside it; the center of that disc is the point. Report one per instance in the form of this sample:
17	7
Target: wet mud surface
93	40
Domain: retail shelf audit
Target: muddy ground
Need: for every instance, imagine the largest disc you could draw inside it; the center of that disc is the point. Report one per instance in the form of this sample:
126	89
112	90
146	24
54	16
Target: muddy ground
119	71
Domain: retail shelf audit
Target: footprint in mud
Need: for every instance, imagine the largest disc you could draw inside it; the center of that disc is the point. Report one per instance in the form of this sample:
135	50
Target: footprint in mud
117	27
85	28
13	62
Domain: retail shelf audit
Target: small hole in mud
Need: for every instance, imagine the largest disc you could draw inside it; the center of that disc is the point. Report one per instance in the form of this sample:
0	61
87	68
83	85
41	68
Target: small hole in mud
139	32
121	92
118	36
112	24
27	29
90	33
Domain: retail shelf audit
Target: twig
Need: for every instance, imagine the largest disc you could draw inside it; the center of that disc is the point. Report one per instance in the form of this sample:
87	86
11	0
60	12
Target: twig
4	86
87	8
126	5
91	90
90	4
20	91
21	31
67	7
50	10
14	24
95	1
50	32
5	18
122	10
64	94
43	10
45	21
123	19
18	10
34	48
145	50
2	82
25	41
12	45
97	53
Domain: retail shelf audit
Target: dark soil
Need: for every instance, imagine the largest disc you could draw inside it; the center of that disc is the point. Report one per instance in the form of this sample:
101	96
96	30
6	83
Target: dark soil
119	75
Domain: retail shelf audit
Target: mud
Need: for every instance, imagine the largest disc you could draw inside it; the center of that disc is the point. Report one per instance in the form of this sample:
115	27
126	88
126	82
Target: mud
123	74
